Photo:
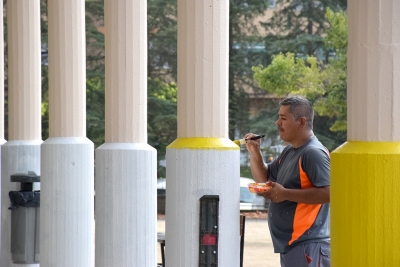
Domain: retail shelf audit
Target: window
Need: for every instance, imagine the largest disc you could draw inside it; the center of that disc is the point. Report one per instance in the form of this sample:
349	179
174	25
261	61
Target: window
271	3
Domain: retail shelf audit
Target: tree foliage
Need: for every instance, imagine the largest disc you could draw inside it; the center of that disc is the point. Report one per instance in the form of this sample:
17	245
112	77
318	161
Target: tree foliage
333	104
289	74
162	128
95	111
244	52
324	84
298	26
162	115
162	39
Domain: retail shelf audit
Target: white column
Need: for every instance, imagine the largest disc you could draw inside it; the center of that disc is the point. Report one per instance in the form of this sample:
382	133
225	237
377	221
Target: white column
202	161
126	220
22	151
67	164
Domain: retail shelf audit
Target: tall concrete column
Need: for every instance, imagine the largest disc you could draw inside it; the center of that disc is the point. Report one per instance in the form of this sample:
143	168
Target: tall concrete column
67	164
202	161
126	165
365	170
22	151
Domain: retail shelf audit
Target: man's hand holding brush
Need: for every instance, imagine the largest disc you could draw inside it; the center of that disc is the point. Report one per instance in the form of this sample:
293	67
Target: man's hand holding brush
253	142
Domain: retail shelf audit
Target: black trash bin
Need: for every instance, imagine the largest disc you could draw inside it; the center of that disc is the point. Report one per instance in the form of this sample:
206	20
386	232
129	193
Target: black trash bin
25	214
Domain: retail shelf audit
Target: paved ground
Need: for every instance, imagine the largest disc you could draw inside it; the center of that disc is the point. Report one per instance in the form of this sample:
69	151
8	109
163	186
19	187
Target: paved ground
258	250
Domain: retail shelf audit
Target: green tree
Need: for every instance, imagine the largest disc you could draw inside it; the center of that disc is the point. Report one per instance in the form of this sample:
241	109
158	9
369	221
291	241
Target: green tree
95	71
245	51
162	39
289	74
333	103
162	117
323	84
298	26
95	49
95	111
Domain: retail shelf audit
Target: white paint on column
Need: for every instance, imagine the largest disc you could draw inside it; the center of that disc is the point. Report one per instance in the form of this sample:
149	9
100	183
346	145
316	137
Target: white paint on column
373	81
125	165
16	156
67	165
67	203
126	205
192	174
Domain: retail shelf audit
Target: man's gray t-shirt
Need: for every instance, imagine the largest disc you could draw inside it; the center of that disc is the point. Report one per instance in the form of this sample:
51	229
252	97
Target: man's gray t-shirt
294	223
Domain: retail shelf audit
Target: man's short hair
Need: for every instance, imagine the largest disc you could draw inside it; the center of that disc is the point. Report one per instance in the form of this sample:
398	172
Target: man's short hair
300	107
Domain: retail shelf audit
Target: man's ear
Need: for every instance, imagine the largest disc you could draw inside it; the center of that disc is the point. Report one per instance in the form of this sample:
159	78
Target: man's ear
303	122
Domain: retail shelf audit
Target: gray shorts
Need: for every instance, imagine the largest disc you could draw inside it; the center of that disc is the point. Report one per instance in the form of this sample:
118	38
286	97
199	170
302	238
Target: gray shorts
308	255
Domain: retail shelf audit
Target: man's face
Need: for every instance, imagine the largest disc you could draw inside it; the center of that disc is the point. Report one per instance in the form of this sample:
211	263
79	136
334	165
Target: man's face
288	127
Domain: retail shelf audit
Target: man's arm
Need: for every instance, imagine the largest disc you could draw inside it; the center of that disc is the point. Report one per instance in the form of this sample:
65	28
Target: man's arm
313	195
259	169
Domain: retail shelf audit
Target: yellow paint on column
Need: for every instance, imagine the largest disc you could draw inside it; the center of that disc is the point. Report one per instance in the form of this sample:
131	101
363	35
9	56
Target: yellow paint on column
365	204
204	143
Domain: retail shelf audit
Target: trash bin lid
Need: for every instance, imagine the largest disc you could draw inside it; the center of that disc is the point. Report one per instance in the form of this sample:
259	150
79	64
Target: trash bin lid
25	177
24	199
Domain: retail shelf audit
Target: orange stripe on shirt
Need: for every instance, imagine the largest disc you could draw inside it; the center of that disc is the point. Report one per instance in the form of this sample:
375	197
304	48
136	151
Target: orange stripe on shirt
305	214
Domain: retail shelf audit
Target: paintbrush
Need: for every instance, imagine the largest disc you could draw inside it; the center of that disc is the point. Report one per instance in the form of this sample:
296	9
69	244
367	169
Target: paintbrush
243	140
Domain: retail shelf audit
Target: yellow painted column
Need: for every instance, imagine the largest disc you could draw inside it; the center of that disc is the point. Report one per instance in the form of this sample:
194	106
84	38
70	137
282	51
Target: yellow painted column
365	203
